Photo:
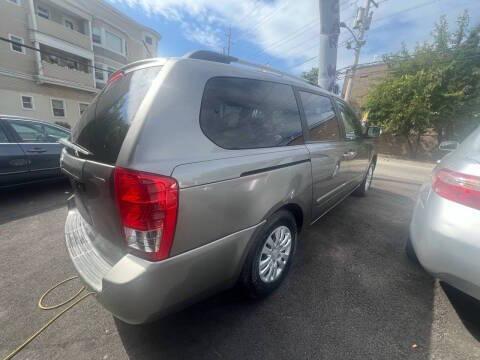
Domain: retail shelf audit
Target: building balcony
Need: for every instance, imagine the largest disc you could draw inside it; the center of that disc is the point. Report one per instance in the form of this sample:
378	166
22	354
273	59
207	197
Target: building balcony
64	76
59	31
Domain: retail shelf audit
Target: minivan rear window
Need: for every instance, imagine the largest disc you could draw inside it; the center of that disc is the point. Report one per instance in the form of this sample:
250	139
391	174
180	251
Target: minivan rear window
104	125
241	113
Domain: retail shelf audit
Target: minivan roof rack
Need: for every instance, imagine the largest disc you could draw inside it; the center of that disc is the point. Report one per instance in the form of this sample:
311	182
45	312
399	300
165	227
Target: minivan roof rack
227	59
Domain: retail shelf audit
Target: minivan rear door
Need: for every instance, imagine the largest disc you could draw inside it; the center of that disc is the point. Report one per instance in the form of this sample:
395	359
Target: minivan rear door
100	133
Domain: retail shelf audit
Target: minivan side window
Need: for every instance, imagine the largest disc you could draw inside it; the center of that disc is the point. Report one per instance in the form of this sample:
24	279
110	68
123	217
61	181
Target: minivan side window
320	115
248	114
353	128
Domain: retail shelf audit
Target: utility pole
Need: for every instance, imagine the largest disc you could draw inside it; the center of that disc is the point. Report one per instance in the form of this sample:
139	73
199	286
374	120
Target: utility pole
329	31
362	23
229	39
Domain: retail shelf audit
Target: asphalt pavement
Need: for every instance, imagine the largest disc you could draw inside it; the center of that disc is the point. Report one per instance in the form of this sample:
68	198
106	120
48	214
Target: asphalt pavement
351	293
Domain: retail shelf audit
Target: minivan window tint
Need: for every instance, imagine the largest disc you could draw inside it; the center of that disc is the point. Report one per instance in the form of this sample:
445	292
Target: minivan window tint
320	115
353	128
104	125
247	114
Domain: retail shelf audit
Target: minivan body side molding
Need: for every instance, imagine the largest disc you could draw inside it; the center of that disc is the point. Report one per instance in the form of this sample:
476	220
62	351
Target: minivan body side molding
270	168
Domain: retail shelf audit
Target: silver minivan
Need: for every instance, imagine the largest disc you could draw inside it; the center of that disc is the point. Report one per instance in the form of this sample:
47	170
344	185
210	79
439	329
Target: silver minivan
194	174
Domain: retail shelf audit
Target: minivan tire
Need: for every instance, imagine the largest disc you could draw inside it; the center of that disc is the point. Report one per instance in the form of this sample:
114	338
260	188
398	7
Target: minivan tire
251	280
362	189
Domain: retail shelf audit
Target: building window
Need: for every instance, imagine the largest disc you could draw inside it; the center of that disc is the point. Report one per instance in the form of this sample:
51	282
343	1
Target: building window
110	71
69	24
27	102
17	47
58	108
96	35
82	107
148	40
43	12
99	74
113	42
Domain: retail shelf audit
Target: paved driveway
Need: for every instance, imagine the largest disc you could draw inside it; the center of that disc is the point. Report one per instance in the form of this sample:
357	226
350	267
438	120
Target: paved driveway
351	293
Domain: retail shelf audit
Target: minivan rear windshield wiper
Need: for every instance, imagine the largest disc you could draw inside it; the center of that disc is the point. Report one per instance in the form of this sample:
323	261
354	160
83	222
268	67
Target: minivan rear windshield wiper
74	147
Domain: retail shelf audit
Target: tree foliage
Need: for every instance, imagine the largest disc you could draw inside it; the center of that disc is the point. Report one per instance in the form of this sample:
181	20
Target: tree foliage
311	76
437	85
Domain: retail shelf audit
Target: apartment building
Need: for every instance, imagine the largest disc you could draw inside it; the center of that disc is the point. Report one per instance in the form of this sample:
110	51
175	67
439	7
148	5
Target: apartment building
366	76
81	43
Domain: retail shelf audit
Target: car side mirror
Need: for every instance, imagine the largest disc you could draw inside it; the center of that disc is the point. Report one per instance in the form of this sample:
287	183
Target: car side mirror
373	131
448	146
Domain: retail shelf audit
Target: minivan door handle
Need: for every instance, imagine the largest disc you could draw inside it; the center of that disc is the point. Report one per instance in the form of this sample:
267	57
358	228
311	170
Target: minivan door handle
36	150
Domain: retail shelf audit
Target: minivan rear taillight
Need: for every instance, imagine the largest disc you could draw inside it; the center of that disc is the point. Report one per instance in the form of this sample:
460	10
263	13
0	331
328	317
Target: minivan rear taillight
148	205
461	188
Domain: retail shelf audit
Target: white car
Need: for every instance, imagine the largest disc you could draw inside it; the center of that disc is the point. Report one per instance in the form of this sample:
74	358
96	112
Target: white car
445	228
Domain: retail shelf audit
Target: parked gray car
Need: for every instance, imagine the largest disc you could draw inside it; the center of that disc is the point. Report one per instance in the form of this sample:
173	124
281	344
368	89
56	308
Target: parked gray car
29	150
445	228
197	173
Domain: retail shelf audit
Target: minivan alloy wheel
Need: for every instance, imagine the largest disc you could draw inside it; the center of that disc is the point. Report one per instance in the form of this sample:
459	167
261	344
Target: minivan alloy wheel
275	254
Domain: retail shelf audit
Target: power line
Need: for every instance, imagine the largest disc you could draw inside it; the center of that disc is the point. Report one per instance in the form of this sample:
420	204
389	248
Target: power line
294	35
346	74
53	54
375	27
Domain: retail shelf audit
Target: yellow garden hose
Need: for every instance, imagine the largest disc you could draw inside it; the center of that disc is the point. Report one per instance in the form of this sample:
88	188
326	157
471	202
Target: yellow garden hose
56	306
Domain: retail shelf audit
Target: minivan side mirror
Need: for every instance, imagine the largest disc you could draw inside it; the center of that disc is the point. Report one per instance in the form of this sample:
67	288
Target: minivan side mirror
448	146
373	131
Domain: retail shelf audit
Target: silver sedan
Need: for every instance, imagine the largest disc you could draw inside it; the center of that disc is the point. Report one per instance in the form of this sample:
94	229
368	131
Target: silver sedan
445	228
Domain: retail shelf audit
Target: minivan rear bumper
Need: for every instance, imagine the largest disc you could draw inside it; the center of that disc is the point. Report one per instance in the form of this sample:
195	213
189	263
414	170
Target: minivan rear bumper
137	291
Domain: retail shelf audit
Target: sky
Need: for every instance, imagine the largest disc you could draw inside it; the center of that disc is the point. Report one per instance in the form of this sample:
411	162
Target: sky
284	33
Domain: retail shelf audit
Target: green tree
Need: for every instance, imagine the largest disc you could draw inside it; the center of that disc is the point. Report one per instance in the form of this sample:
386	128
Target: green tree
440	79
311	76
400	106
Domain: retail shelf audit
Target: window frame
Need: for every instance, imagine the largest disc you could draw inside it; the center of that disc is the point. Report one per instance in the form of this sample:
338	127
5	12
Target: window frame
151	40
64	108
45	10
122	42
100	35
341	101
12	44
294	93
306	129
31	100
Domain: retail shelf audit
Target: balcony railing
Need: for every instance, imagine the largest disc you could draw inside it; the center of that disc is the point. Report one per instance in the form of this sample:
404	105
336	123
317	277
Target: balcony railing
60	31
63	73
